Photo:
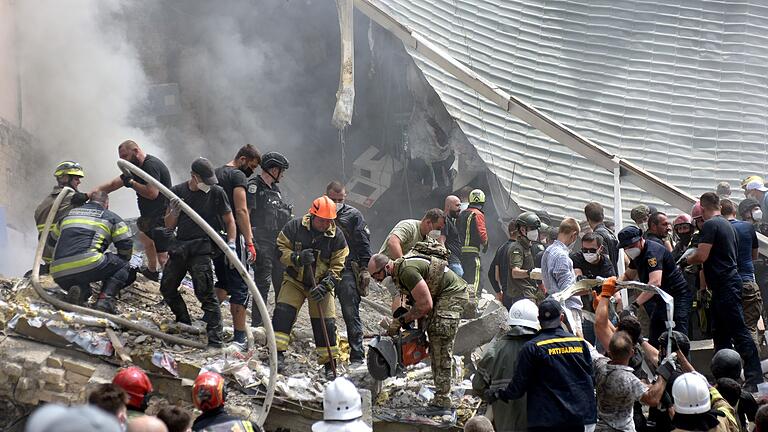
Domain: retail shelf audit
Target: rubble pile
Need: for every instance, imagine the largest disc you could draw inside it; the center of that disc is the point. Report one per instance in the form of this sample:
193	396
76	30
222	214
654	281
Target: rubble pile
47	355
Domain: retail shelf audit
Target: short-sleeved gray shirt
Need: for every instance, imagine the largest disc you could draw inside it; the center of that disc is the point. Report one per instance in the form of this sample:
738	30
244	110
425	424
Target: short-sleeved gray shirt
617	390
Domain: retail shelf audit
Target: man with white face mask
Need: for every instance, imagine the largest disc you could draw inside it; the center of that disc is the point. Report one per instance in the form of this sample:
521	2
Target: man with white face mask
519	282
653	264
757	191
591	262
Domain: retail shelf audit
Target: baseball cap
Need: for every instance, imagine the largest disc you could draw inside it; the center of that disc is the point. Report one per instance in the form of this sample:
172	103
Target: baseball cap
640	212
203	167
756	185
84	418
549	313
629	235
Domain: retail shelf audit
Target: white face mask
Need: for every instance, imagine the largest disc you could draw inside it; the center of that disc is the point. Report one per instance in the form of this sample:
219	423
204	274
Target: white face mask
532	235
643	226
434	234
204	187
757	215
632	253
591	258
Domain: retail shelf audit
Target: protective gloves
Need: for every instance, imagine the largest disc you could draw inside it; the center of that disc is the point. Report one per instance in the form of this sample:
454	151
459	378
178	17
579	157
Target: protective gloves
667	367
318	292
365	281
303	258
127	180
609	287
394	327
251	252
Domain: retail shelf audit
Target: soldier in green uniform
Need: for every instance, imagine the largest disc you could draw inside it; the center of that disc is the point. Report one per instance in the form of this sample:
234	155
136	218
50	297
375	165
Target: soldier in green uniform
437	295
520	255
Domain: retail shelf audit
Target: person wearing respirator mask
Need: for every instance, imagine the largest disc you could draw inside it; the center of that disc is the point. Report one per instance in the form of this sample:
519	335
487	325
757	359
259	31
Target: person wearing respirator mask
652	264
590	263
640	216
520	258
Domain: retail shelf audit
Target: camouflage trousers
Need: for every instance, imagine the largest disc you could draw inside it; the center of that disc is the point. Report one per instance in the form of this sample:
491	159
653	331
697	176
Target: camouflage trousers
752	302
441	329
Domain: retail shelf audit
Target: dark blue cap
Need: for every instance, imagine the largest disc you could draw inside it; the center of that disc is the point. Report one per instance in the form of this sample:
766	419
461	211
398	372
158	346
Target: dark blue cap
629	235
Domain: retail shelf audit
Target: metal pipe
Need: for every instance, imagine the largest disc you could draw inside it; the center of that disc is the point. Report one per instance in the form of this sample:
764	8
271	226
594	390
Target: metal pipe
233	260
83	310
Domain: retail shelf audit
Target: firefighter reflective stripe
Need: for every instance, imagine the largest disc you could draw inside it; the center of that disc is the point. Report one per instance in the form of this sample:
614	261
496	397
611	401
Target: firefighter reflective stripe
470	249
76	264
559	340
121	232
322	353
468	235
282	340
85	222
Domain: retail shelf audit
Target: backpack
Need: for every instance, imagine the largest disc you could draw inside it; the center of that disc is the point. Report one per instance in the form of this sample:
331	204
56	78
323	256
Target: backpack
437	255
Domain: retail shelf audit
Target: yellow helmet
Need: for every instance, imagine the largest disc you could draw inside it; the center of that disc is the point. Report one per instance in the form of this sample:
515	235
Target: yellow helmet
477	197
69	168
750	179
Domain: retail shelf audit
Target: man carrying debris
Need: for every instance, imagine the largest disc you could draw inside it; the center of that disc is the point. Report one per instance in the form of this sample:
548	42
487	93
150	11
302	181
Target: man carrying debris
474	236
435	293
80	255
497	367
68	174
313	251
191	250
355	277
408	232
268	215
152	204
233	178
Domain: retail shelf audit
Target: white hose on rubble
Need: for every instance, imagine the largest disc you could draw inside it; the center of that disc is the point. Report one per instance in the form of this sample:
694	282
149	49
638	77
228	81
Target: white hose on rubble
233	260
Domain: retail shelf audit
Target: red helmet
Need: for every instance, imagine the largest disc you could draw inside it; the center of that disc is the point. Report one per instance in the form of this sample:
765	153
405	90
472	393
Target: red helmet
683	219
208	392
697	211
136	384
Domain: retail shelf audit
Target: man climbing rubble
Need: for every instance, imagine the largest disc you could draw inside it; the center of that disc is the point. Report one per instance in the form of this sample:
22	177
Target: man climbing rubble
474	237
435	294
67	174
313	251
233	178
80	256
152	204
192	248
355	277
408	232
268	214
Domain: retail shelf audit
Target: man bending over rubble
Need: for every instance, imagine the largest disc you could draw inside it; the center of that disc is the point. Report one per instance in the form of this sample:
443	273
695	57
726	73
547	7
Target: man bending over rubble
80	255
438	295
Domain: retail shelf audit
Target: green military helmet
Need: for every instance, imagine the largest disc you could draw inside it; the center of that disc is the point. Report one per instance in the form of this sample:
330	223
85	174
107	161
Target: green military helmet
529	220
69	168
477	197
640	212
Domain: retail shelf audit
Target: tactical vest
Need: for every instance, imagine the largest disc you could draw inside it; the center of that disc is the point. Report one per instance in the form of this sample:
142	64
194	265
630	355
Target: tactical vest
434	276
268	212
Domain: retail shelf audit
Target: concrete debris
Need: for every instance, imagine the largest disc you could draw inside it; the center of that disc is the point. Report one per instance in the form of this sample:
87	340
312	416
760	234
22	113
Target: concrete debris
480	331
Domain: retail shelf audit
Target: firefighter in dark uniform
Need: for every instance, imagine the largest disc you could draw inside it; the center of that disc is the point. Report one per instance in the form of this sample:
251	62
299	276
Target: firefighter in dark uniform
474	236
355	277
311	242
498	272
520	260
81	239
554	371
268	214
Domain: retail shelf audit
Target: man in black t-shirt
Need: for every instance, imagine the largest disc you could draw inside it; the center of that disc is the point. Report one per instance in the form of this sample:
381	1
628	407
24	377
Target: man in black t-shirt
595	217
590	263
152	204
192	249
651	263
717	251
449	236
233	178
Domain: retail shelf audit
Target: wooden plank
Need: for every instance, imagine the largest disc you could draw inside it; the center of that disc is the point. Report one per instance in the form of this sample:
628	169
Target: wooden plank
118	346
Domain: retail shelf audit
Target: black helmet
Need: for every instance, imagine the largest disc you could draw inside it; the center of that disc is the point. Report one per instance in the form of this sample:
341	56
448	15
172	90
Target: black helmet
679	341
529	220
273	160
726	363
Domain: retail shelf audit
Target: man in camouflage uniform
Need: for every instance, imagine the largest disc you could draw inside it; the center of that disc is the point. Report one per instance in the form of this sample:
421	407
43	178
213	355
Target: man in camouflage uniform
520	258
435	293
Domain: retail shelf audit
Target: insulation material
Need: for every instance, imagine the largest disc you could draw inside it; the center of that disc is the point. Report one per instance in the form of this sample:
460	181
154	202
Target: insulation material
345	96
678	88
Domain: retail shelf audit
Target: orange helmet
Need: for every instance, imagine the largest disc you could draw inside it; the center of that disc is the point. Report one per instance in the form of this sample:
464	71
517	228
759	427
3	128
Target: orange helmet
136	384
323	207
208	392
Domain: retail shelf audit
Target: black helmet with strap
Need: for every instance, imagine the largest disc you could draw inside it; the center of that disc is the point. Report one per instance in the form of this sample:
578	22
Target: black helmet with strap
273	160
529	220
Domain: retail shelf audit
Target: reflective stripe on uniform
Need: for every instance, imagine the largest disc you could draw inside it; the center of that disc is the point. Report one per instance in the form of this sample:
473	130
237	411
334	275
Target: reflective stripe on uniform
121	232
471	249
469	228
282	340
559	340
76	264
85	222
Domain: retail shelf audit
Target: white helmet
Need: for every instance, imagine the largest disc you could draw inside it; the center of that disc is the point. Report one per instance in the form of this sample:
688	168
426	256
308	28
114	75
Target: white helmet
524	313
341	401
691	394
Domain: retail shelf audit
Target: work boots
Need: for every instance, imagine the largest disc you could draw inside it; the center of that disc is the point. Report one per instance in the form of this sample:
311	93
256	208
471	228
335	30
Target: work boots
78	295
281	362
328	371
106	304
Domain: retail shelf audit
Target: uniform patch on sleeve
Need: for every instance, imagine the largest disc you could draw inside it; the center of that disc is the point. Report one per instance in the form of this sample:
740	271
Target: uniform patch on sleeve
252	188
652	262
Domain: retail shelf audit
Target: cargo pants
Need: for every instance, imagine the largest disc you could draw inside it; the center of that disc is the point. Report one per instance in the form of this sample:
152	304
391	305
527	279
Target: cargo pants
441	330
752	302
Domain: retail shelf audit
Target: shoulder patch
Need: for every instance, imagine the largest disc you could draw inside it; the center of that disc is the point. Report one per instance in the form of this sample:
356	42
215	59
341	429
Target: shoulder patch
252	188
652	262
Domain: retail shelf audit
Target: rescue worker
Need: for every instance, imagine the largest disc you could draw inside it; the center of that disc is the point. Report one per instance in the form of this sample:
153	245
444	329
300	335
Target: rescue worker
749	179
314	251
658	230
591	262
717	250
498	272
437	294
639	215
747	251
137	386
749	211
554	370
152	204
191	250
557	273
449	236
757	191
497	366
268	213
233	178
520	260
683	230
408	232
80	256
726	363
651	263
342	409
595	215
699	407
67	174
474	237
209	393
355	277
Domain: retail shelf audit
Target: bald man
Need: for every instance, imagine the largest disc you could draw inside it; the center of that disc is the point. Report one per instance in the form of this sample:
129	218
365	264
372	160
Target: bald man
147	424
152	204
449	236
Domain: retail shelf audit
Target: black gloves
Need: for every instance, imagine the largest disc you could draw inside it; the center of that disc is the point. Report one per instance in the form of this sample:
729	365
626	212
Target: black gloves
303	258
79	198
127	180
318	292
491	396
667	367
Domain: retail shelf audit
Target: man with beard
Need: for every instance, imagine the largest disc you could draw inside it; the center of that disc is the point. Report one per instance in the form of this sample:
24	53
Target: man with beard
449	236
152	204
658	230
233	178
